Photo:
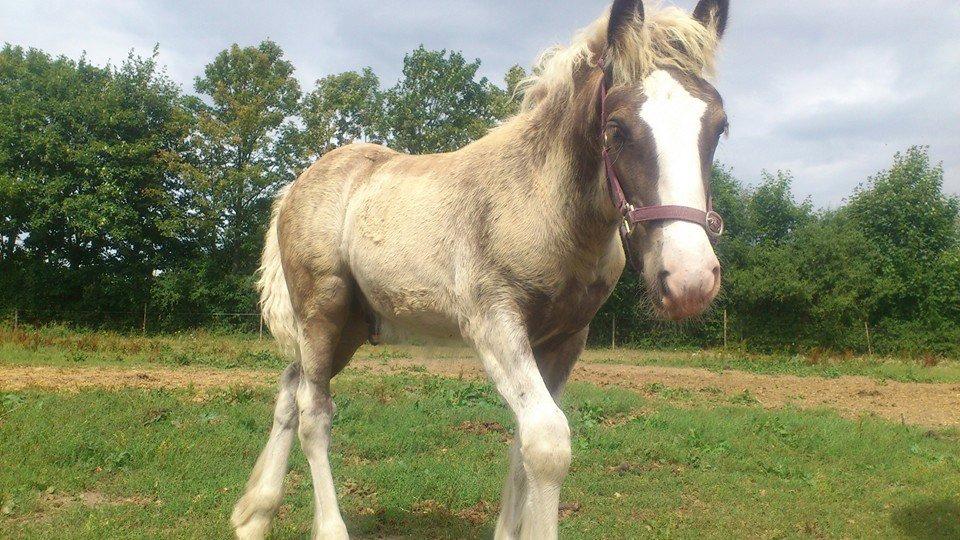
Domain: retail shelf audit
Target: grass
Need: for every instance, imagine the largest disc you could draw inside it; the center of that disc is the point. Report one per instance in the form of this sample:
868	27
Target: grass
813	365
57	345
424	457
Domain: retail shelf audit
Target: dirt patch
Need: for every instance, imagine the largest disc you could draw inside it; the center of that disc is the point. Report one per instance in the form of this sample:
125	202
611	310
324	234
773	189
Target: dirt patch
569	509
485	428
926	404
203	381
51	502
477	514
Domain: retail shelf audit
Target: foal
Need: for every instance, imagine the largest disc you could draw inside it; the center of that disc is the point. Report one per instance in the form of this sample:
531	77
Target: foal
510	244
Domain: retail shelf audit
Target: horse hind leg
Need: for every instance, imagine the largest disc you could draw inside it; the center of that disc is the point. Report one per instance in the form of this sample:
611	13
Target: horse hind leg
254	512
329	335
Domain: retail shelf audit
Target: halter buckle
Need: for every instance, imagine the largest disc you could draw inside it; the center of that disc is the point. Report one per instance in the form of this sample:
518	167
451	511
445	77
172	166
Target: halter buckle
714	224
627	208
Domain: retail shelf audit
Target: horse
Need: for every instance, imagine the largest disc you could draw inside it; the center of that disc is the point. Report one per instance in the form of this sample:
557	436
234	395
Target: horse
510	245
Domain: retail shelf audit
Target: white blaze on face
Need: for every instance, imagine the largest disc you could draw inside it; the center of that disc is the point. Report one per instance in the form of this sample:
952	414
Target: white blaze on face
675	118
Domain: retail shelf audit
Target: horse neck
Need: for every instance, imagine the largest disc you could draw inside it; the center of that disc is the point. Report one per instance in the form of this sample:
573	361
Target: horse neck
567	131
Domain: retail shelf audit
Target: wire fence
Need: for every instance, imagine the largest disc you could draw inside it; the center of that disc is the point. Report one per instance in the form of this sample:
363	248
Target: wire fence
609	330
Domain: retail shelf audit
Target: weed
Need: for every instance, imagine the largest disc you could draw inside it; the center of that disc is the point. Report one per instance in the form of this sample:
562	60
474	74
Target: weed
590	414
244	394
461	394
387	353
930	361
744	398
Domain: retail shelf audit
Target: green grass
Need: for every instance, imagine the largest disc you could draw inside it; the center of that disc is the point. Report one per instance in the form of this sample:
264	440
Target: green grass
424	457
931	370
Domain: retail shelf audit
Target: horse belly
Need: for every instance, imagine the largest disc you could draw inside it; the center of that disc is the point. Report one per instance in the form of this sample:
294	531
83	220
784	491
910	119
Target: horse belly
396	256
410	313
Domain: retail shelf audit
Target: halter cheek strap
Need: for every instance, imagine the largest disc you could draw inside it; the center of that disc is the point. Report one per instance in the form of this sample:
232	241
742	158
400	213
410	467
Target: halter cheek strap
709	220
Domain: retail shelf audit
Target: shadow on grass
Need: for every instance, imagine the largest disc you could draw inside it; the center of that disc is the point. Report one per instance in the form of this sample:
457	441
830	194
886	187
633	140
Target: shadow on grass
437	523
929	519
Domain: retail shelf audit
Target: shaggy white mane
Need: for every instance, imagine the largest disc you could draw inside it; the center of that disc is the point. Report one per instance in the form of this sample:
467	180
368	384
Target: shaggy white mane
666	38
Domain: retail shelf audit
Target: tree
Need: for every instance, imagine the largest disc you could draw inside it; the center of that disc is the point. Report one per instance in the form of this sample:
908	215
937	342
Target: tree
914	226
88	157
774	213
245	144
438	105
506	101
244	147
341	109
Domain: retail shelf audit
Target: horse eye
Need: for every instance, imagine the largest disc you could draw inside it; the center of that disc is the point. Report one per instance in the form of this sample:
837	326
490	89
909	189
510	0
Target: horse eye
619	130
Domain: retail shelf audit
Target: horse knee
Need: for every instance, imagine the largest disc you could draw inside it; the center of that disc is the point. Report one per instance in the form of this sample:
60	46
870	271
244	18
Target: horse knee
545	444
315	419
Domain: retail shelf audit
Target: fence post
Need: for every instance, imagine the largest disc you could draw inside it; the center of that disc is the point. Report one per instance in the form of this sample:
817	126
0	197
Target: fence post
613	332
866	328
260	337
724	328
143	325
16	319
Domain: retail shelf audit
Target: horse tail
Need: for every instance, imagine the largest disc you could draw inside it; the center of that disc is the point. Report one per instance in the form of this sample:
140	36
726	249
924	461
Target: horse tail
275	305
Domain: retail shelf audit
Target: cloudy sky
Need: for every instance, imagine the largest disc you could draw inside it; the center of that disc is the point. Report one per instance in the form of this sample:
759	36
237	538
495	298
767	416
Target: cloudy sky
826	89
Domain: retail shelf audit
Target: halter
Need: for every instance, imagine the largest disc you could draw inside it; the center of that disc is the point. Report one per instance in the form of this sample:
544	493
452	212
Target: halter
709	220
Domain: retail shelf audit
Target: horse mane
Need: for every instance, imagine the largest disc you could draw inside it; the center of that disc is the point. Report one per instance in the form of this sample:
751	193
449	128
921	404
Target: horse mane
666	38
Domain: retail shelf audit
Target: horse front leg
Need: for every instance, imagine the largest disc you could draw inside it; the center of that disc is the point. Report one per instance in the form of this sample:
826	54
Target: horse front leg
543	435
555	361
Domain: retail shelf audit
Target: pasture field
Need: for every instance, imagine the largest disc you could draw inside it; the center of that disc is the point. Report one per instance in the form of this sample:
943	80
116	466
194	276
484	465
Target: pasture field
61	346
110	436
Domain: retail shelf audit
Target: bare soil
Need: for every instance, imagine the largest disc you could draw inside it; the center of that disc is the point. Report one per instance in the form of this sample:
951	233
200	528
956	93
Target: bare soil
924	404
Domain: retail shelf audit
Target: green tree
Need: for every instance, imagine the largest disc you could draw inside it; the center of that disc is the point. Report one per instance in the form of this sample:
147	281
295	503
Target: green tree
245	144
343	108
914	226
244	147
88	157
774	213
438	105
506	101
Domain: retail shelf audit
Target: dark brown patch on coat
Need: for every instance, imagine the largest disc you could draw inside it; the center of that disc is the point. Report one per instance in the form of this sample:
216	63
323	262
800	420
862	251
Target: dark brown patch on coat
631	145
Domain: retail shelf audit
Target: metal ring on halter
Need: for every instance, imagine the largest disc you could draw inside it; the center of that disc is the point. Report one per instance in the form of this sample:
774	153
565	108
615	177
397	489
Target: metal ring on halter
714	224
626	222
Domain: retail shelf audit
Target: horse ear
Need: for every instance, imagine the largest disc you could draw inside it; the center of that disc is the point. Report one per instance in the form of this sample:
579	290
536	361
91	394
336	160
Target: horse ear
713	13
622	14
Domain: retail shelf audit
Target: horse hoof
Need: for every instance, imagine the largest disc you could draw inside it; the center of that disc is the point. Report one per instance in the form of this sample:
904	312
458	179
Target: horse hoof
331	531
255	528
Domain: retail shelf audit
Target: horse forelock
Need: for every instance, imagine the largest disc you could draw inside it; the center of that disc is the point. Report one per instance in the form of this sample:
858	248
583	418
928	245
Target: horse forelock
666	38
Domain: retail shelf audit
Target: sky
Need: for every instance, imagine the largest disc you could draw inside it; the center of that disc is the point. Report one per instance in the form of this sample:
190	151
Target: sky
828	90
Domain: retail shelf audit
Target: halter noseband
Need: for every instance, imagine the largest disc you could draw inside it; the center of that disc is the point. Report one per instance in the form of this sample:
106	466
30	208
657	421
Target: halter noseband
709	220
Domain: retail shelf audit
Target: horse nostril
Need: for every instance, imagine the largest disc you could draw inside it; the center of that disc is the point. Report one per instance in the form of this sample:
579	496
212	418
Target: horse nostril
716	272
662	283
